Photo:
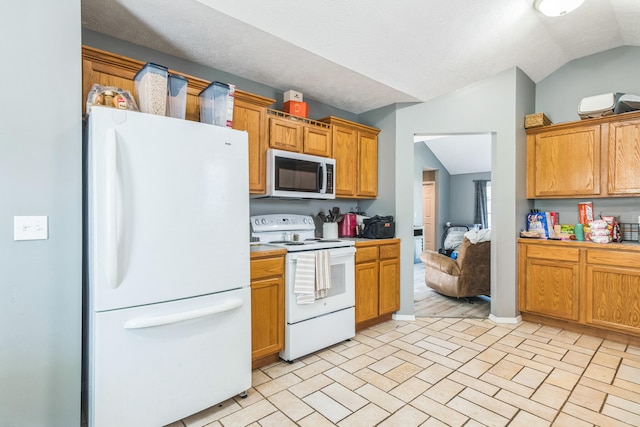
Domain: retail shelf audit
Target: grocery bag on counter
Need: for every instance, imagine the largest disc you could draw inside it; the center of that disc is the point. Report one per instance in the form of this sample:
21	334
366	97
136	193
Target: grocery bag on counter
537	223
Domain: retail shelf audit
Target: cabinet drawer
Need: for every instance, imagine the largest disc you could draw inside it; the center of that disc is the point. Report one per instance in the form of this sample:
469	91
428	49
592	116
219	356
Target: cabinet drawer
267	267
551	252
369	253
607	257
389	251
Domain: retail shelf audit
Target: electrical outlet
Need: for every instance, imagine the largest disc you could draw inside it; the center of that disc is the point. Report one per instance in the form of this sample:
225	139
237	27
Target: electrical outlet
30	227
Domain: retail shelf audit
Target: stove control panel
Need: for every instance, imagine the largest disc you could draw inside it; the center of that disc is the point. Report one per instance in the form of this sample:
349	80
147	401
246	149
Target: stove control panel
273	222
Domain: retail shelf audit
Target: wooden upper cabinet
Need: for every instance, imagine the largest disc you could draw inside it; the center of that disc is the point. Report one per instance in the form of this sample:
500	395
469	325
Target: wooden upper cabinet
564	162
299	134
355	148
249	112
624	158
316	141
109	69
250	115
285	134
345	151
367	177
588	158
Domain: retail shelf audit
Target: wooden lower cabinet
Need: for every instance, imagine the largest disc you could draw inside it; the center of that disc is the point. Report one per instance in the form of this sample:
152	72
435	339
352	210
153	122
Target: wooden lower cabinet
377	277
550	285
613	290
594	288
267	307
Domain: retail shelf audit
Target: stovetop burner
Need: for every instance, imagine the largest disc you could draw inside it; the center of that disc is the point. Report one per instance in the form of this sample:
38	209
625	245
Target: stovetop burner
287	242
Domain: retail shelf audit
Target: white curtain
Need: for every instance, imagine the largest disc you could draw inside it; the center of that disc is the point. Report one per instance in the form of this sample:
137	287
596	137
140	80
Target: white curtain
481	212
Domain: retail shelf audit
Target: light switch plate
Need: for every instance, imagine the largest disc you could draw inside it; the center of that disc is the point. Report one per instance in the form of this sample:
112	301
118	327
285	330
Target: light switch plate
30	227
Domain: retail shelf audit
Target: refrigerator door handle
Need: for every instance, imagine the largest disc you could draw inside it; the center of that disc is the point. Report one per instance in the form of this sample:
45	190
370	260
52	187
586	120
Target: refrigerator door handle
149	322
111	208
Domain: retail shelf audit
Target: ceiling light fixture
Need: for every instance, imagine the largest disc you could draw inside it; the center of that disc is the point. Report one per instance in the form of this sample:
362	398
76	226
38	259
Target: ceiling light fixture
556	7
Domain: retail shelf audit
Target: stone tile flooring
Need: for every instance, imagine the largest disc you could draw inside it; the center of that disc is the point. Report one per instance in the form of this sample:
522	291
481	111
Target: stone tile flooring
445	372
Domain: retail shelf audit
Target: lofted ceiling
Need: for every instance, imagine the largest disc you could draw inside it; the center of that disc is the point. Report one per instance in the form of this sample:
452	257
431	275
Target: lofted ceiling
460	153
359	55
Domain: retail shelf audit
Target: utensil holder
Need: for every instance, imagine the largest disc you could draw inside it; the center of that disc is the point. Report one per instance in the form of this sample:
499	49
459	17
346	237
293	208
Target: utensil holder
330	230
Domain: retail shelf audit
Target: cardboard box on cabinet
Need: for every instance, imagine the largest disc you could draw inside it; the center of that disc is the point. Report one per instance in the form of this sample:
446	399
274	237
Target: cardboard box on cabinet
292	95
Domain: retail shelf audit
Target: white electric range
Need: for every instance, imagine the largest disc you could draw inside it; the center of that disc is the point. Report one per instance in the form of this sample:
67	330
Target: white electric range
293	232
328	320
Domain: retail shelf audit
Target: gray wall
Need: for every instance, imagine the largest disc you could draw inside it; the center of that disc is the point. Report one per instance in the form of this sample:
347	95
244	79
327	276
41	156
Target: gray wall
384	119
614	70
463	196
41	174
495	105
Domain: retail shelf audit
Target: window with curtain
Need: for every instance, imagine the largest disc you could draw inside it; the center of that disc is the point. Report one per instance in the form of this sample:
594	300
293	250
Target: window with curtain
483	203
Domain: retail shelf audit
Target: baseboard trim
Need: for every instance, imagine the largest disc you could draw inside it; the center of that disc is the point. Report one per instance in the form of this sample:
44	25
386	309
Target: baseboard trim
404	317
510	320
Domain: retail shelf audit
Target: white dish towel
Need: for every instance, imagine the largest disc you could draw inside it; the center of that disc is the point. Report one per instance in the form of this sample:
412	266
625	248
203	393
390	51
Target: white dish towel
305	278
323	273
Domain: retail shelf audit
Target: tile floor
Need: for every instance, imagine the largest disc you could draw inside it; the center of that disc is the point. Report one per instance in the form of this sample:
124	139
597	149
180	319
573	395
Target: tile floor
445	372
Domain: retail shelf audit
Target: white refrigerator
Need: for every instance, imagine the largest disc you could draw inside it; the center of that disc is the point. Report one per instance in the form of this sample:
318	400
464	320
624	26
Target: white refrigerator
168	310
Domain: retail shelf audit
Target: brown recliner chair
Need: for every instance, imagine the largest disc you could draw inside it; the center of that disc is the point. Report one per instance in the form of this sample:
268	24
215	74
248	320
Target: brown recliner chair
467	276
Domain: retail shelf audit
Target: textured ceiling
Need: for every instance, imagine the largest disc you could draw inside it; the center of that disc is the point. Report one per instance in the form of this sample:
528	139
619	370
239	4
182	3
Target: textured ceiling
359	55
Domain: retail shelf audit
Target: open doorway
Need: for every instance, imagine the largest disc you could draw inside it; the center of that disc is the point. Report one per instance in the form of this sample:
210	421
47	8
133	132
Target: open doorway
445	170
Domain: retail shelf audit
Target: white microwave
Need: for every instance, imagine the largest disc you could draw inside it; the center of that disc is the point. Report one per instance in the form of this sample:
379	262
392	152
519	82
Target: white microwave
300	176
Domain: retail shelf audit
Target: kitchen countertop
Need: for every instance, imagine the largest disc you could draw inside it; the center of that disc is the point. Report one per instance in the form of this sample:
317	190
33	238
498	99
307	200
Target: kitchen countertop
361	240
261	249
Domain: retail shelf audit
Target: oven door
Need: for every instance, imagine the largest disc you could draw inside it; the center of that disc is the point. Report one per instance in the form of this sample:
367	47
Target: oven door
340	296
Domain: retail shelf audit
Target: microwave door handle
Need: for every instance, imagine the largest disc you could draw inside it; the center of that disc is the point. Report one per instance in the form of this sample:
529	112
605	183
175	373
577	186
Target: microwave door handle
322	178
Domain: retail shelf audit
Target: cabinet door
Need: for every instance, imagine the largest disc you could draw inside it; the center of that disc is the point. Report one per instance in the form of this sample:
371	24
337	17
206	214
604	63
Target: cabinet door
316	140
345	151
285	134
389	298
252	118
564	163
267	317
613	290
367	173
551	282
624	158
366	276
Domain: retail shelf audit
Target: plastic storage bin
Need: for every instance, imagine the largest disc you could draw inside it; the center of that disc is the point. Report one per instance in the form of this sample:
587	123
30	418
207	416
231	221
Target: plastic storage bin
213	104
177	96
151	89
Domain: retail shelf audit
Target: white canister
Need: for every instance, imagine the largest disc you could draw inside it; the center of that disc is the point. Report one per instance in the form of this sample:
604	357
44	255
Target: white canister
330	230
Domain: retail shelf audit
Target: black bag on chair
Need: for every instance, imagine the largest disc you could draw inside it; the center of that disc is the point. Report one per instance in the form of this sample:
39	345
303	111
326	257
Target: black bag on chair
379	227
